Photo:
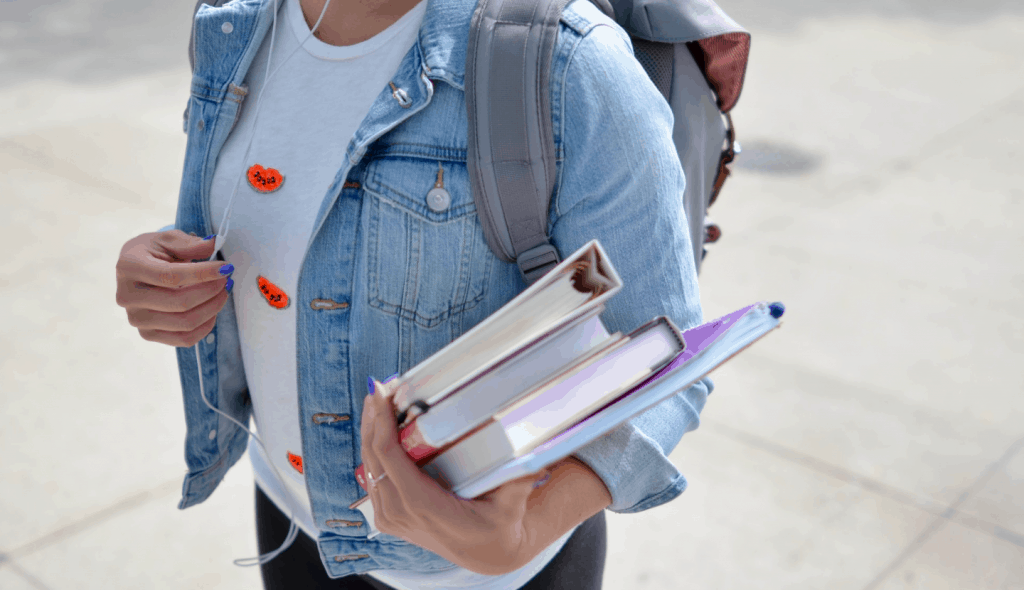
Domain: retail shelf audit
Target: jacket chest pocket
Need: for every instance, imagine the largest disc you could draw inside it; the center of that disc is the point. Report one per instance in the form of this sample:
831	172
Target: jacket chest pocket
427	259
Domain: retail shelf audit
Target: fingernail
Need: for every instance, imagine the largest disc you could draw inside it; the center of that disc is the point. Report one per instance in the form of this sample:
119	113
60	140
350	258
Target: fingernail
210	237
229	285
370	385
227	269
542	480
391	377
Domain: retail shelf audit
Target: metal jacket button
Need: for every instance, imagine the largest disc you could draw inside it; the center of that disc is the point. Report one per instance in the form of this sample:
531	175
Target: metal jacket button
438	198
227	27
400	95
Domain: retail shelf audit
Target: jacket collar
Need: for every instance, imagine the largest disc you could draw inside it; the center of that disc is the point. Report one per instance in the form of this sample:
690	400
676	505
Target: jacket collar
443	38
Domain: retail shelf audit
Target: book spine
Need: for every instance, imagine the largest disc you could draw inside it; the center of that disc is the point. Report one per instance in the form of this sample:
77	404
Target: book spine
361	477
478	401
415	446
471	456
412	442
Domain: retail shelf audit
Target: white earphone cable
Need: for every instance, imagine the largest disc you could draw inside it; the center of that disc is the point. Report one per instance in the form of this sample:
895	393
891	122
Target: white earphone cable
293	529
225	222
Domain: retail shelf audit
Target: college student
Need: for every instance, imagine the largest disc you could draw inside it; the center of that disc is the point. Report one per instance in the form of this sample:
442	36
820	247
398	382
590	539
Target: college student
330	171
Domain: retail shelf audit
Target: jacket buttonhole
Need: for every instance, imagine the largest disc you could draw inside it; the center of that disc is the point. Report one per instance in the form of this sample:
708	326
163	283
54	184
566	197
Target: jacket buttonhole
326	304
326	418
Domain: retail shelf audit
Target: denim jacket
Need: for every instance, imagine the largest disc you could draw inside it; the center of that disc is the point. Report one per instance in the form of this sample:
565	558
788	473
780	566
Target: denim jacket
388	280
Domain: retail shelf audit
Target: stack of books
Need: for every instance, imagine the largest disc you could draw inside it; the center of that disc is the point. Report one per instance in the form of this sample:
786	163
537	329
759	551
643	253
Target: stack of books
542	377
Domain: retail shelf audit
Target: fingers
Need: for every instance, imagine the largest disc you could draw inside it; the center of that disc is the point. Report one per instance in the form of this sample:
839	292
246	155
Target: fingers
178	321
180	246
366	428
386	501
148	269
180	339
413	485
407	497
166	296
137	295
165	260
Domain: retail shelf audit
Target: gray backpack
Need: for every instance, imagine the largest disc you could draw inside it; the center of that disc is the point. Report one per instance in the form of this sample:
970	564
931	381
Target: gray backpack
691	50
695	55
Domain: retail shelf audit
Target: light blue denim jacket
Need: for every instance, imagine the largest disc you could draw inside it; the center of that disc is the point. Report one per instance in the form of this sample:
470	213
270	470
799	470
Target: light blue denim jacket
406	279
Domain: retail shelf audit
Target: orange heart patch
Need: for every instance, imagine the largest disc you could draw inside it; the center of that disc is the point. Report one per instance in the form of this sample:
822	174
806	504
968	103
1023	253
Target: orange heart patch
272	293
295	460
264	180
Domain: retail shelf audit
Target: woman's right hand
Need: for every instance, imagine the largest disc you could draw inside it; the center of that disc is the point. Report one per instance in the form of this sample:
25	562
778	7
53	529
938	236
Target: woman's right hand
169	298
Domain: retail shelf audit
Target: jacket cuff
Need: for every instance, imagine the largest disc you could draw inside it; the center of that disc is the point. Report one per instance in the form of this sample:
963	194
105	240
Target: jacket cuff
632	460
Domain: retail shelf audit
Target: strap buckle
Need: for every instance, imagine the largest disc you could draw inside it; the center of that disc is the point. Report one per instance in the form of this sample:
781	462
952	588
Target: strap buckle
537	261
732	148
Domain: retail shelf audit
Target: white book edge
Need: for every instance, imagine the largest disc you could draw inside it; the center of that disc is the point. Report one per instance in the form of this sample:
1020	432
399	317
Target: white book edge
404	390
754	325
545	415
479	400
533	420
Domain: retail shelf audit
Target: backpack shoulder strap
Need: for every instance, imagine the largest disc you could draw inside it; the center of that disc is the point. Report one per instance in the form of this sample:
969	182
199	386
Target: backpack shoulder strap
511	157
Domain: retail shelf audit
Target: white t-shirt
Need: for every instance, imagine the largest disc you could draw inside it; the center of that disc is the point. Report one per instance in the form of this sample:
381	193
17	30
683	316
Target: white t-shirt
309	112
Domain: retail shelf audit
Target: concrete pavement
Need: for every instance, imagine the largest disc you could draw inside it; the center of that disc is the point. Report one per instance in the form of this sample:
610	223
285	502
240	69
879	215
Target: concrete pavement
875	441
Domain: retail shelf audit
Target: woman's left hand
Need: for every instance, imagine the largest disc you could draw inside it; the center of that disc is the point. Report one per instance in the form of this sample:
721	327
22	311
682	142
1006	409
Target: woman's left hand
487	535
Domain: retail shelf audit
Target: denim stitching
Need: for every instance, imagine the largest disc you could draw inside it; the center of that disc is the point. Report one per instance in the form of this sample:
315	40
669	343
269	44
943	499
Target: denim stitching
426	151
454	213
411	289
561	134
674	489
406	308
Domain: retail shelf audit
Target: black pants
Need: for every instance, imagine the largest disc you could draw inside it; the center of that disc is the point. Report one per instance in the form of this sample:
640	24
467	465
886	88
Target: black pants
578	566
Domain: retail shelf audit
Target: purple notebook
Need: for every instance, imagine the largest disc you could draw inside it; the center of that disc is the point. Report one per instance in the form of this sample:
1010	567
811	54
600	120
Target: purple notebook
721	339
699	338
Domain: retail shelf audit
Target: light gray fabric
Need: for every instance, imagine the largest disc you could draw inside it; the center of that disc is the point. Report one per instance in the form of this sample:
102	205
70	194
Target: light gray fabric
657	60
511	143
673	21
699	135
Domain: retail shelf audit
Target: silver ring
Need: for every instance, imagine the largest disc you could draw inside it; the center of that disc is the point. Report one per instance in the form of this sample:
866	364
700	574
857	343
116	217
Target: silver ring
375	481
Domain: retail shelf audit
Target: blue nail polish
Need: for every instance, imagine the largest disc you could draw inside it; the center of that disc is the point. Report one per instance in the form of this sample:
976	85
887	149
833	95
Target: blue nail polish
776	309
227	269
542	481
229	285
391	377
210	237
370	385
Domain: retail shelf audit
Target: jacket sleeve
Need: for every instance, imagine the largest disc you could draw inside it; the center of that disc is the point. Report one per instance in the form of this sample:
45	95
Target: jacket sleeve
620	181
